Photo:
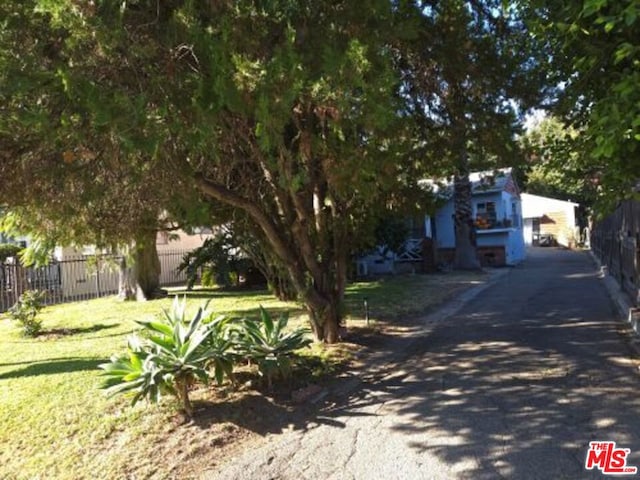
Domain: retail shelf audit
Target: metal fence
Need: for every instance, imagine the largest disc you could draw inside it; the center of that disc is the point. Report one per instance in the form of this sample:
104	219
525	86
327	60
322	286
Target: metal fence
77	278
616	242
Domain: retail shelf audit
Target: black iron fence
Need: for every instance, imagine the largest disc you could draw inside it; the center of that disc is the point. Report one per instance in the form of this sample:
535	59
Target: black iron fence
616	242
76	278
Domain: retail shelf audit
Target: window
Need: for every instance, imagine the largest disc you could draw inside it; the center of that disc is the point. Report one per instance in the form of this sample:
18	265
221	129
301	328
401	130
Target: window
515	218
486	215
536	225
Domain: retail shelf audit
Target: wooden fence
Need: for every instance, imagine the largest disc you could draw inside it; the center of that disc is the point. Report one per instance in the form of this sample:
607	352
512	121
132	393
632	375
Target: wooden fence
76	278
616	242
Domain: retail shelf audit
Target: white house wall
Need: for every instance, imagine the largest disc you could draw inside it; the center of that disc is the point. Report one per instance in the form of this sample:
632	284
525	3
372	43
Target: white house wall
180	240
527	230
535	206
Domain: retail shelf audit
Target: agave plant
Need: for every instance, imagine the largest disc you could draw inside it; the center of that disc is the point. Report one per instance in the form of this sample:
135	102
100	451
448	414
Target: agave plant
269	344
219	346
172	354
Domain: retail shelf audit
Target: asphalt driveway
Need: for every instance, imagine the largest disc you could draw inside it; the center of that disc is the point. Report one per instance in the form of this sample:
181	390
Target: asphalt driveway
514	385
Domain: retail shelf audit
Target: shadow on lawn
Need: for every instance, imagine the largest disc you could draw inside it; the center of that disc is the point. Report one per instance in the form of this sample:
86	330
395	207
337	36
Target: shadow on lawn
52	367
65	332
213	293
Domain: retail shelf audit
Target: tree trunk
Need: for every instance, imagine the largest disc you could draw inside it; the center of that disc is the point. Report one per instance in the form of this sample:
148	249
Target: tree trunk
466	256
182	388
325	305
315	262
126	281
146	268
281	287
325	318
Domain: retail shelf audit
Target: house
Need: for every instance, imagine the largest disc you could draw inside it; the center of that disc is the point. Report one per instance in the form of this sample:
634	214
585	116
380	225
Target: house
497	212
78	277
548	221
182	241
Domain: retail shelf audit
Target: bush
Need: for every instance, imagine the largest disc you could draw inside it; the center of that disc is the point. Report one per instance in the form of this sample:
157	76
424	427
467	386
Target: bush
170	357
268	344
173	353
25	312
218	259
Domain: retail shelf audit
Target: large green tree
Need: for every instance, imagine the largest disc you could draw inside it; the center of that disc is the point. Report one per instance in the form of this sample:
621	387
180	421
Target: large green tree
285	111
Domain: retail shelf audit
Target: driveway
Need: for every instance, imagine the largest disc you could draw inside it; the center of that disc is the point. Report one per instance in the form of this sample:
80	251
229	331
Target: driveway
514	385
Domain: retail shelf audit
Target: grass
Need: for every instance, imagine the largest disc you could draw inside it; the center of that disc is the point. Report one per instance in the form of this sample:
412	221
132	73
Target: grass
53	418
392	298
56	424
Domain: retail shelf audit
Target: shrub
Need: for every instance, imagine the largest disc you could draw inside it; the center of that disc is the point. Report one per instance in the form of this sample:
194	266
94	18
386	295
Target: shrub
219	346
266	343
173	353
219	260
170	357
25	311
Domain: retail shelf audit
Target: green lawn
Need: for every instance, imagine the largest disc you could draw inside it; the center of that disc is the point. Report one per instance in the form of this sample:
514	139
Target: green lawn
392	298
56	423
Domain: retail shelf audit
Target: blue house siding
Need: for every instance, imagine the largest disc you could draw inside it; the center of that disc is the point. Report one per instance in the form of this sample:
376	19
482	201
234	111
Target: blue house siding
510	238
500	231
445	234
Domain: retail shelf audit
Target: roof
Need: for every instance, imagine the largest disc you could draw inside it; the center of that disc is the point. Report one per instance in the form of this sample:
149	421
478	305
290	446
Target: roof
549	199
534	206
488	181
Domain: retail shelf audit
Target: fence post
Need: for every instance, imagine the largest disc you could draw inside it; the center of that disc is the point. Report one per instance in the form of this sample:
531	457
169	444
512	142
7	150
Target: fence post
98	278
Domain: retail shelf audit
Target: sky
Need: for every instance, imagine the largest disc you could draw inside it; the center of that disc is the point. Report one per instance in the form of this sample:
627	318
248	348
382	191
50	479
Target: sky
533	119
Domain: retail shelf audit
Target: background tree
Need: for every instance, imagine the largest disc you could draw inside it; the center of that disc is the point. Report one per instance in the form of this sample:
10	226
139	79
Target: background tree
470	74
597	49
555	165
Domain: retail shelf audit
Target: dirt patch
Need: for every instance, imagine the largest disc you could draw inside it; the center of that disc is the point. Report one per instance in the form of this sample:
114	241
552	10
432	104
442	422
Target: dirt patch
227	420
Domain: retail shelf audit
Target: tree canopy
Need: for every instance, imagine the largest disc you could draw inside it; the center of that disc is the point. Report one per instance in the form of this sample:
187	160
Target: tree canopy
308	121
555	165
596	49
286	111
